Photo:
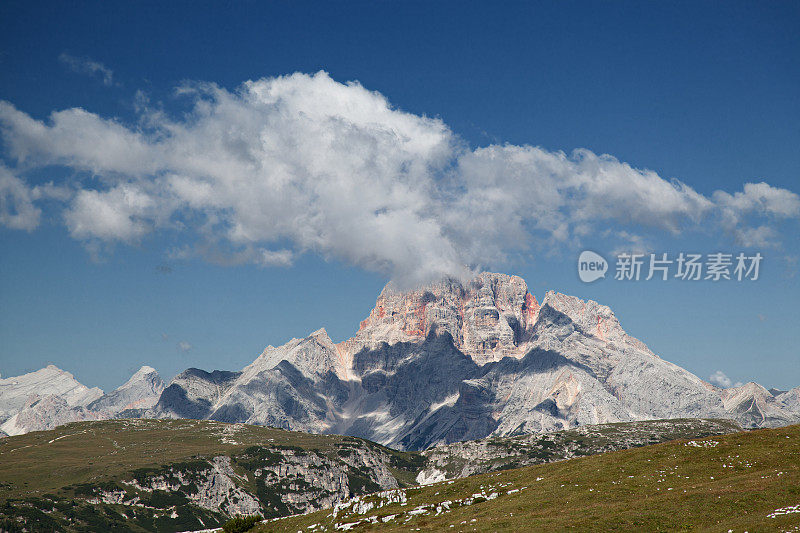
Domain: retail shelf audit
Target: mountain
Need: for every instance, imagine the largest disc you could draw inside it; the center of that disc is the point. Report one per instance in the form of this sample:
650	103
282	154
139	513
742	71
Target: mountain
791	399
449	362
755	406
192	393
16	392
53	397
460	361
141	391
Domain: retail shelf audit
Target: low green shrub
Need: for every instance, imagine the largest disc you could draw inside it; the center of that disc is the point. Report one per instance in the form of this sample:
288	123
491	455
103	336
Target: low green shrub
240	524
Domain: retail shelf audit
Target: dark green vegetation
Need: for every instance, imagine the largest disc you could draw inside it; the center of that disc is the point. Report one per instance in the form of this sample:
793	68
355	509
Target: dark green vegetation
746	481
240	524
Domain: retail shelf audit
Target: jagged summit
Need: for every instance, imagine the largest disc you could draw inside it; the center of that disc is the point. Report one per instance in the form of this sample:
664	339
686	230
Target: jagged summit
489	317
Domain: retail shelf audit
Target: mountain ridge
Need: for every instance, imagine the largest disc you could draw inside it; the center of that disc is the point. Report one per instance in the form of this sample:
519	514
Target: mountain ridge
456	361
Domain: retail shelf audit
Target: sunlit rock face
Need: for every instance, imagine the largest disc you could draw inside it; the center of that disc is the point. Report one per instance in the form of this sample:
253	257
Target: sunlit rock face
489	318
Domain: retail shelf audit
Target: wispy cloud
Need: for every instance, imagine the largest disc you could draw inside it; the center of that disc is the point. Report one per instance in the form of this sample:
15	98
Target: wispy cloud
85	65
184	346
719	379
791	266
301	163
16	202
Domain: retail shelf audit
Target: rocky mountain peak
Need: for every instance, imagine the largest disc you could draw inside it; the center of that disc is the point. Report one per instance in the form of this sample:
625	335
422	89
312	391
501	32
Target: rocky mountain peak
313	354
450	361
15	391
141	391
588	316
489	317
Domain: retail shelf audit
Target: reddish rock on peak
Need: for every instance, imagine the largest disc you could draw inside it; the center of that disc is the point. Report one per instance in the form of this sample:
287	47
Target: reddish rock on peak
489	318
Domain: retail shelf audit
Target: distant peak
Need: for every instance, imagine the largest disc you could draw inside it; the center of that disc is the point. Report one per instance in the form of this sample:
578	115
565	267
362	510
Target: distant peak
321	332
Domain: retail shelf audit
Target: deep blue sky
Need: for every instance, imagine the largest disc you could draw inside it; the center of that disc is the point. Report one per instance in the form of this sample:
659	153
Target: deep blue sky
704	92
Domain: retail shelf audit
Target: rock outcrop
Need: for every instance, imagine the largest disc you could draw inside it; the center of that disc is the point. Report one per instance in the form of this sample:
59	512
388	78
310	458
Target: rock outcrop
489	318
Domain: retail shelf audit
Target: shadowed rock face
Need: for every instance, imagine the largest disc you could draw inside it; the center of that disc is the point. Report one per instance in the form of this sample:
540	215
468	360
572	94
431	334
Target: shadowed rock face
193	393
452	362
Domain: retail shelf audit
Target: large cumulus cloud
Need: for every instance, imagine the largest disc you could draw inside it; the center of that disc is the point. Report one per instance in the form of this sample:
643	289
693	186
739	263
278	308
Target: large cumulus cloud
302	163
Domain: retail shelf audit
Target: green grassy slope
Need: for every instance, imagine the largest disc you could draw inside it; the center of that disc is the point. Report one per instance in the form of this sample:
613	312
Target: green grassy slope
731	482
68	468
83	452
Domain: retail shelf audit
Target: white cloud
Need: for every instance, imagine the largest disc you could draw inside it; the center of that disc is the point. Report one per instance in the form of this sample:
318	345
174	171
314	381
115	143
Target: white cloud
302	163
77	139
758	237
184	346
760	197
756	200
85	65
631	244
16	202
125	212
275	257
719	379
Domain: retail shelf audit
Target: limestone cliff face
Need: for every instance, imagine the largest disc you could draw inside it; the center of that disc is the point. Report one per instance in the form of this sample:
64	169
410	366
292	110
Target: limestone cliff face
489	318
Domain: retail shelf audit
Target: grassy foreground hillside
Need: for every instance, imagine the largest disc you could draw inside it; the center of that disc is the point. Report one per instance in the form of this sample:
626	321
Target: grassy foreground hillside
740	482
180	475
174	475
